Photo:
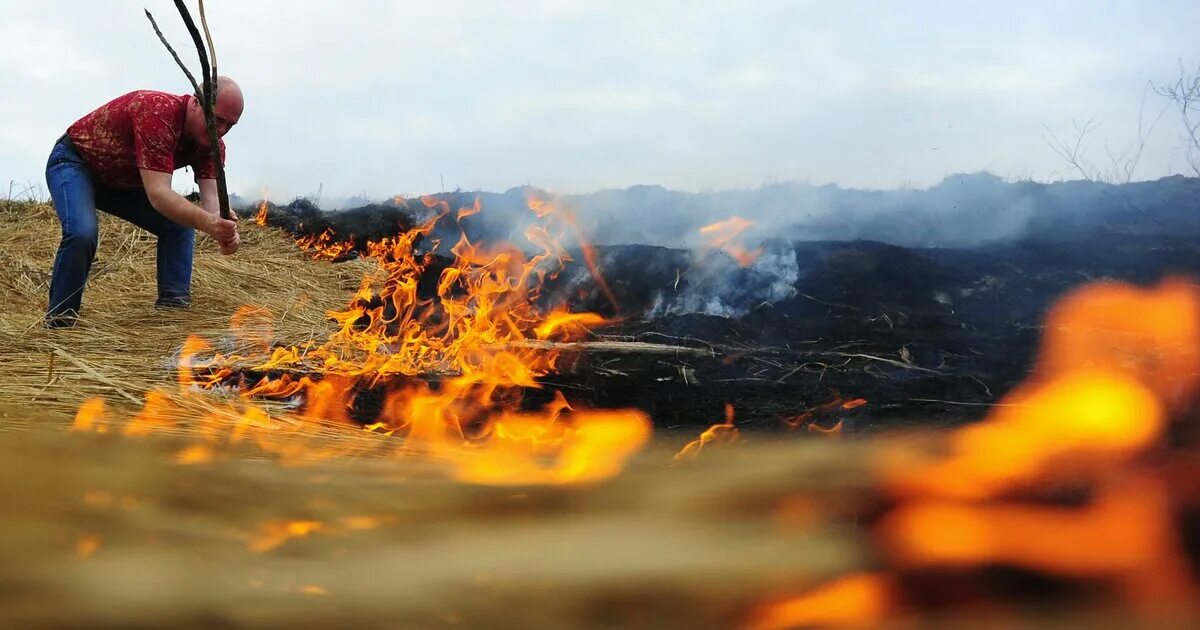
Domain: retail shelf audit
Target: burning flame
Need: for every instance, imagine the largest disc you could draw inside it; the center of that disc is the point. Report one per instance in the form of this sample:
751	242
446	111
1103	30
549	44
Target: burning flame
272	534
90	417
87	545
481	338
854	600
811	417
722	235
718	434
325	246
261	216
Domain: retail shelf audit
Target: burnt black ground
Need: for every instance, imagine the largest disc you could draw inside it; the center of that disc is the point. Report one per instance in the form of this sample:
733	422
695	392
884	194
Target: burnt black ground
928	335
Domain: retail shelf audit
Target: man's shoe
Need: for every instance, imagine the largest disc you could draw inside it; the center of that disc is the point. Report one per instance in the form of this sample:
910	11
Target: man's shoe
173	302
60	321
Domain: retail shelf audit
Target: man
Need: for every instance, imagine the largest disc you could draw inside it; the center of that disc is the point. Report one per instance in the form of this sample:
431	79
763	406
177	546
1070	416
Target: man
119	159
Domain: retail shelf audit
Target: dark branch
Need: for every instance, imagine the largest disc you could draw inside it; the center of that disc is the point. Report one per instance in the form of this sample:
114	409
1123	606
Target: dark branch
210	94
207	97
173	53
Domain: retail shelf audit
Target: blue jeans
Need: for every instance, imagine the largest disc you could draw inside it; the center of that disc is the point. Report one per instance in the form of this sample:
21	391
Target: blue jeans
76	195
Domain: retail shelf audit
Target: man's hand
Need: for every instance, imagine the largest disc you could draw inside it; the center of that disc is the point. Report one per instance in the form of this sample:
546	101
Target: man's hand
208	197
231	247
225	232
183	212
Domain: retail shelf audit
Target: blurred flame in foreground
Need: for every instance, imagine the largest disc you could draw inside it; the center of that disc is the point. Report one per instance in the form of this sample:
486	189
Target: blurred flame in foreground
87	545
1118	365
859	600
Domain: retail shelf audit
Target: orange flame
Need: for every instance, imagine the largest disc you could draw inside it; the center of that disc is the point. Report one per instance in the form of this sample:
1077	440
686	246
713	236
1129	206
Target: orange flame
1116	364
87	545
809	417
854	600
272	534
482	335
544	208
1116	359
717	434
90	417
722	234
325	246
261	216
1149	334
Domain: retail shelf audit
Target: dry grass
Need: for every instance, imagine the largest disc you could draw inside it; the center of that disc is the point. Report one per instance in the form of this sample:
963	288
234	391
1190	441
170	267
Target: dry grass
123	346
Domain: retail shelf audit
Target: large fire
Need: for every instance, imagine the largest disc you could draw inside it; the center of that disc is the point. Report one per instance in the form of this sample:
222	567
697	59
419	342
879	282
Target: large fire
451	367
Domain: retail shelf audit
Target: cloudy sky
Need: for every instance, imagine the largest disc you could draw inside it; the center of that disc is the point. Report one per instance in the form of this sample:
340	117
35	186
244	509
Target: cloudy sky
379	97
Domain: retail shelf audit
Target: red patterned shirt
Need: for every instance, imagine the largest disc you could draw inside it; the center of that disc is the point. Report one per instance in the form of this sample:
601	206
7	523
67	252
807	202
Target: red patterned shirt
142	129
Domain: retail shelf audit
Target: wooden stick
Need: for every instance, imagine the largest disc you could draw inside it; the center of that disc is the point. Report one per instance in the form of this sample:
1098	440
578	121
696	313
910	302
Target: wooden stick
212	49
607	347
206	96
209	102
597	347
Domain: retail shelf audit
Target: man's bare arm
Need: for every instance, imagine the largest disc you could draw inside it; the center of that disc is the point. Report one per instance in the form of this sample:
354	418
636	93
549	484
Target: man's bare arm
208	196
173	206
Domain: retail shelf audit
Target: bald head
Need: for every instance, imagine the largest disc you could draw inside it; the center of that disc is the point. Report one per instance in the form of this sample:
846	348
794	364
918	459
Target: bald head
227	112
229	94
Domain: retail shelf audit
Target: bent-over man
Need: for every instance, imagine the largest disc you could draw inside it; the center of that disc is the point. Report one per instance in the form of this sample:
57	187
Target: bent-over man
120	158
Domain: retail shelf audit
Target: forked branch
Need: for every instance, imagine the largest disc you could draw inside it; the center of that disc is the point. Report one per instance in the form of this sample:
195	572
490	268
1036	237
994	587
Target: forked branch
206	94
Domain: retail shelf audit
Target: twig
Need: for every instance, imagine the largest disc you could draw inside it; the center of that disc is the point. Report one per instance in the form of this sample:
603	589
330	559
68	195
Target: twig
965	404
608	347
91	371
871	357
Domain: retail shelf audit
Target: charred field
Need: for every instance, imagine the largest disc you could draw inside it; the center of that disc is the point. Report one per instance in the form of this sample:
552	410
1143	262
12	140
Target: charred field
929	335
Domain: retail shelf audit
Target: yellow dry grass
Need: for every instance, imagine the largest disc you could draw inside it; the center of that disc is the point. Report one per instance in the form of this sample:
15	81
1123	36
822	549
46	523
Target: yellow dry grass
123	346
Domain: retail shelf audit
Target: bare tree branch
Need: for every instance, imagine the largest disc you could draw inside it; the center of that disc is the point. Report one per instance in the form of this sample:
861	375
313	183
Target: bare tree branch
207	95
212	49
1121	166
173	53
1185	94
1072	153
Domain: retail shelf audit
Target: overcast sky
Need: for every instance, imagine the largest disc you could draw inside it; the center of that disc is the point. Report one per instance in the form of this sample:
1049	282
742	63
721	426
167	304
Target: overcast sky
384	97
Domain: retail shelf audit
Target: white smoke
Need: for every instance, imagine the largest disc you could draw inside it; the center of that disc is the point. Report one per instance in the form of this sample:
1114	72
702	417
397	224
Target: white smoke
716	285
